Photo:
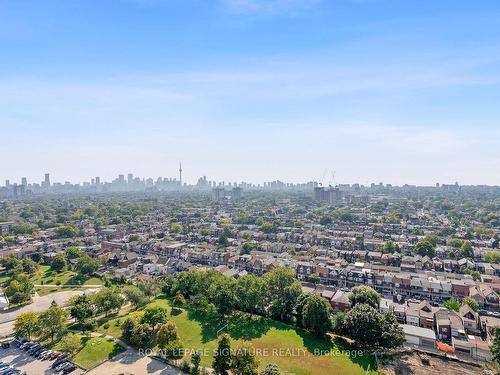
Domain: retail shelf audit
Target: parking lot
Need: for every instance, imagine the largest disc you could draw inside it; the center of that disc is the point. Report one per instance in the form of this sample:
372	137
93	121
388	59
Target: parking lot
33	359
24	362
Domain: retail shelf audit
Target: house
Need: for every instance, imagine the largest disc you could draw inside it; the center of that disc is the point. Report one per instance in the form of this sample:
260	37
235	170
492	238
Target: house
448	324
4	301
420	314
419	336
470	320
340	301
6	227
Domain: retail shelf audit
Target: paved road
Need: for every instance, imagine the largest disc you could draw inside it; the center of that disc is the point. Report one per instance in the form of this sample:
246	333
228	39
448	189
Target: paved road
42	303
131	363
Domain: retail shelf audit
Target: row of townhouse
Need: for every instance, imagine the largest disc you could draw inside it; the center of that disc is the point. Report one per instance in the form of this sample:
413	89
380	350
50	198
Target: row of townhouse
466	331
417	262
435	288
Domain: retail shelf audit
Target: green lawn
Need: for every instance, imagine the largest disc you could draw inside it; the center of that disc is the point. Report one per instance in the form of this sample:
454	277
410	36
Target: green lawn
3	277
291	349
58	280
94	351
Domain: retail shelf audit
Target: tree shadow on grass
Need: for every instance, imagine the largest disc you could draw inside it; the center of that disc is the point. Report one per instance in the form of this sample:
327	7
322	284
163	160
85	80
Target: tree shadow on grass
249	327
357	355
117	349
237	325
76	280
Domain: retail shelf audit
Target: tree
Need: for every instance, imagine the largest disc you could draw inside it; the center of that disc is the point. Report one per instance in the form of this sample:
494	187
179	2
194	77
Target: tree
282	292
89	325
128	327
316	315
368	328
12	265
425	247
135	296
471	302
67	231
222	357
495	346
71	343
299	306
222	294
392	335
30	266
467	250
195	361
492	257
390	247
154	316
338	326
174	350
166	334
364	294
455	242
19	289
107	300
52	321
58	263
81	308
26	325
243	362
73	252
87	266
314	278
271	369
250	293
452	304
141	336
179	299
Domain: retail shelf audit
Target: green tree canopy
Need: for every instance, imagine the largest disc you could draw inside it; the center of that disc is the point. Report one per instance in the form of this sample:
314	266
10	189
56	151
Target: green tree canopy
364	294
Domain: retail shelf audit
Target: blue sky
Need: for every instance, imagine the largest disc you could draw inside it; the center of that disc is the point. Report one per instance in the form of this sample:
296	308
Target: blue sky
394	91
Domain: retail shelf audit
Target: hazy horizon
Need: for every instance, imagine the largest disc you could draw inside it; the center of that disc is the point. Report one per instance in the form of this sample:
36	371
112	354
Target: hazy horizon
251	90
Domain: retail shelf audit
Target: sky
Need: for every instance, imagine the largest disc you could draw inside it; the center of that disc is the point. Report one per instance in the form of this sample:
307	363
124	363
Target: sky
392	91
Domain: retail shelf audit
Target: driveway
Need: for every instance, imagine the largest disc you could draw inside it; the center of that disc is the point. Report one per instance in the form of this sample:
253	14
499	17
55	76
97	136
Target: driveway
131	363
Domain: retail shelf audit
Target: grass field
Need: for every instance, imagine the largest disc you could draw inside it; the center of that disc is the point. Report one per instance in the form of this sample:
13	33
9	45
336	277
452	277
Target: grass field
3	277
50	281
292	349
94	351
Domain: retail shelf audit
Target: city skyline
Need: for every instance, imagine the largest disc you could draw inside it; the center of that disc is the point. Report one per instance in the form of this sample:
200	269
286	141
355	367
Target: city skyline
252	90
327	180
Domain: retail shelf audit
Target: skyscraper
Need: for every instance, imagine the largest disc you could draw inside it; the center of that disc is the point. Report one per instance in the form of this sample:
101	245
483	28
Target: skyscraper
24	181
46	182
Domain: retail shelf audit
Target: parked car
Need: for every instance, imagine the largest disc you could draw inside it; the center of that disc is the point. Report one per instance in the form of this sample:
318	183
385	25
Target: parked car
60	359
30	345
69	369
38	351
3	365
44	355
6	370
5	344
55	355
25	345
62	366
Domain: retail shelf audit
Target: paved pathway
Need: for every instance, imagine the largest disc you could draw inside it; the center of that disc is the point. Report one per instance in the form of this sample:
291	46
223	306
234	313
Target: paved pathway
130	362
